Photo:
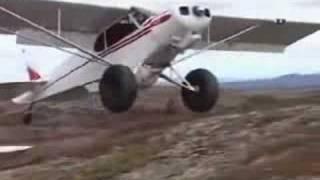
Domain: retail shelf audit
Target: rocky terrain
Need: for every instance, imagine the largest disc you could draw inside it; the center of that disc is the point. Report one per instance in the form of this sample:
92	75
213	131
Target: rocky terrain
268	135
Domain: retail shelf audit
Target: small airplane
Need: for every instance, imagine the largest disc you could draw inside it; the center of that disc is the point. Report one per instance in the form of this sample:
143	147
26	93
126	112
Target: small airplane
126	48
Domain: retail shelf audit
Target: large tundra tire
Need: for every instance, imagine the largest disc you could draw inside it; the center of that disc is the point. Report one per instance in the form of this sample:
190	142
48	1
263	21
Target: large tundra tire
207	94
118	88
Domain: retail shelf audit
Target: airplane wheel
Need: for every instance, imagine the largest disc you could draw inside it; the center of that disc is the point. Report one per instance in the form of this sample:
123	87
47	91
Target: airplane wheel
118	88
207	91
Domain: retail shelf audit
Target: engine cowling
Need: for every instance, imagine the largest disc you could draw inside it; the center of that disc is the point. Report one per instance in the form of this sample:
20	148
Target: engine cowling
195	18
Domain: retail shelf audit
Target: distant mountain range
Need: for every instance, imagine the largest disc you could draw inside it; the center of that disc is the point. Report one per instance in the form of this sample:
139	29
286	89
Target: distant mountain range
290	81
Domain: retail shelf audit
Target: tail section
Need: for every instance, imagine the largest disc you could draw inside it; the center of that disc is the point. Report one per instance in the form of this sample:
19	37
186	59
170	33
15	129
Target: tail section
33	74
35	81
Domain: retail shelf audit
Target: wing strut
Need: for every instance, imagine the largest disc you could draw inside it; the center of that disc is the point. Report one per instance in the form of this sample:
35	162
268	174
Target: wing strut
182	82
216	44
43	43
56	47
59	21
95	58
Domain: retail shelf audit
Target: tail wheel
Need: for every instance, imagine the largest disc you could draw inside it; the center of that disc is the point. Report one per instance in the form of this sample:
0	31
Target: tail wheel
207	91
118	88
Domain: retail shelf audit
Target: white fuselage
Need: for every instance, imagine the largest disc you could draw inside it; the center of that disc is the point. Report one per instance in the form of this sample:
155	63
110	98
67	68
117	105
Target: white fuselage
147	51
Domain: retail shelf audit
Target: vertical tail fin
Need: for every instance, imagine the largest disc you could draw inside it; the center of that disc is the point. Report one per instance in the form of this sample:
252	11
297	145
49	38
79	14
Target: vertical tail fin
33	74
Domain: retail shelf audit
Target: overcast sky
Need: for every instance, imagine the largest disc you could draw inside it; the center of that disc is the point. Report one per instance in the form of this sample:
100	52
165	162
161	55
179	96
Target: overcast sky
302	57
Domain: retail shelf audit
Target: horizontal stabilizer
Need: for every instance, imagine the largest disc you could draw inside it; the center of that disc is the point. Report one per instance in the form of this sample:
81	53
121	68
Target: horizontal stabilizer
11	149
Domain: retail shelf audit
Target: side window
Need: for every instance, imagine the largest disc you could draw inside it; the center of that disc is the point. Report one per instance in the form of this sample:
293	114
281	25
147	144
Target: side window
114	34
119	31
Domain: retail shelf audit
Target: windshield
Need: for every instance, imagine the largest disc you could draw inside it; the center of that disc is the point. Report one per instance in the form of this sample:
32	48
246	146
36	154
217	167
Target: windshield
120	30
139	17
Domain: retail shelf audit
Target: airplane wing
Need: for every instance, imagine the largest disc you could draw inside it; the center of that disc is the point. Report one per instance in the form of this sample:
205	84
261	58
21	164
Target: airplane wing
77	22
265	35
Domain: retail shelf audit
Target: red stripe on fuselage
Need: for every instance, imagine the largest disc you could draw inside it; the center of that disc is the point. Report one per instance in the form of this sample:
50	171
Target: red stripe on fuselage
126	43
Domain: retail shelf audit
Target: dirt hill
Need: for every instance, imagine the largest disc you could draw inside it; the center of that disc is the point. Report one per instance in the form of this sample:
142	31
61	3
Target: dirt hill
269	135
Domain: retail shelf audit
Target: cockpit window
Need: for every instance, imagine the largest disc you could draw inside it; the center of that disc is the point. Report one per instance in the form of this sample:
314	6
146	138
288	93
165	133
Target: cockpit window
119	30
184	10
139	17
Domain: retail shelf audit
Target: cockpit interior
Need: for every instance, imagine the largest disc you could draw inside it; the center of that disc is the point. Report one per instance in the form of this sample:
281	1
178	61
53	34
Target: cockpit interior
120	29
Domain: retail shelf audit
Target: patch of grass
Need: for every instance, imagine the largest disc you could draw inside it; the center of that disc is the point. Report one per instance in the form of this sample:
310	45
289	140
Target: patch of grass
118	162
269	118
262	99
266	102
259	102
